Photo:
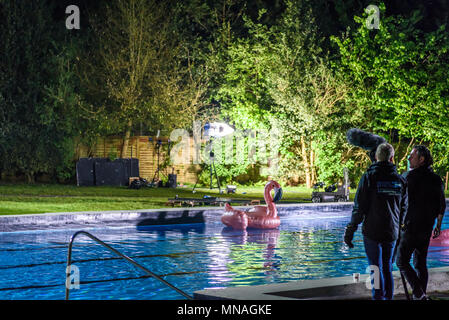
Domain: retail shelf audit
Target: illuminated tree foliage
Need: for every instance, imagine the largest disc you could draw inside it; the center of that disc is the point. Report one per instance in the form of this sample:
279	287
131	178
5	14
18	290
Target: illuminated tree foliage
137	69
399	86
309	69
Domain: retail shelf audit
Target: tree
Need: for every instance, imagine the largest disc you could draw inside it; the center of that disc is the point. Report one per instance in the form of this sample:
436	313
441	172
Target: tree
398	81
219	59
36	98
277	77
308	96
135	74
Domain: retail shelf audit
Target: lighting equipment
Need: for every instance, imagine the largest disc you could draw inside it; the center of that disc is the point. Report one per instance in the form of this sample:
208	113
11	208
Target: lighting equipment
211	167
217	129
213	130
157	146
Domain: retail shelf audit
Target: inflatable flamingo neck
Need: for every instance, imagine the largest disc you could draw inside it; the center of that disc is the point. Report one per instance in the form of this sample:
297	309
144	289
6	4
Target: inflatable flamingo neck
267	193
272	211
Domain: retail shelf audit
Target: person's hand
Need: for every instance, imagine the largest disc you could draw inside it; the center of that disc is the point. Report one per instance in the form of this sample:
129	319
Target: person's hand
348	240
349	235
436	232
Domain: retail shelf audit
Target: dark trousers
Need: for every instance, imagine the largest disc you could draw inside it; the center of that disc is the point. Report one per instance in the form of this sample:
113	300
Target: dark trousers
416	245
380	256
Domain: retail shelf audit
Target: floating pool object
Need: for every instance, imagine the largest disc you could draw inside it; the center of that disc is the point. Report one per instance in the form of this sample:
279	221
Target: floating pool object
442	240
259	217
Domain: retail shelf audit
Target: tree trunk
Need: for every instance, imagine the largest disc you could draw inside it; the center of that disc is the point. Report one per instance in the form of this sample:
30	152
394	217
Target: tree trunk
126	139
312	167
306	161
30	177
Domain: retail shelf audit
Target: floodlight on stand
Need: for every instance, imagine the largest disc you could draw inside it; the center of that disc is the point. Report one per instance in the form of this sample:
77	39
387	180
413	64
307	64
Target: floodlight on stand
217	129
157	147
214	130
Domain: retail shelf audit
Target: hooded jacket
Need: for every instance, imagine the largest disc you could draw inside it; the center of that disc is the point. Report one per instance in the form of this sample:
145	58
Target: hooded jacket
380	202
426	201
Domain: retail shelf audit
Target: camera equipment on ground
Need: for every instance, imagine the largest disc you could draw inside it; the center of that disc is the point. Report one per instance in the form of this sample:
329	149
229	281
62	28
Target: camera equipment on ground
329	194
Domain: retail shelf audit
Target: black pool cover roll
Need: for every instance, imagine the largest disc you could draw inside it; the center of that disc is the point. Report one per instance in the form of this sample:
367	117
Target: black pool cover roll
103	171
85	172
109	173
131	167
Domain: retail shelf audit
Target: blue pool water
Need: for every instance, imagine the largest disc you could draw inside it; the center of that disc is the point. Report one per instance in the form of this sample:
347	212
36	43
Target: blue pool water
308	245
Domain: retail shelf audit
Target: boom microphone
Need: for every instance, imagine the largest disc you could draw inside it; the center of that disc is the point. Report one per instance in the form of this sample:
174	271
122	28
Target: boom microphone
365	140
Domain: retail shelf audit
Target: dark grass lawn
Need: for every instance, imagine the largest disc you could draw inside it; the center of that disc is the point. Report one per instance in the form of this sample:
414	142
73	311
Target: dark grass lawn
41	198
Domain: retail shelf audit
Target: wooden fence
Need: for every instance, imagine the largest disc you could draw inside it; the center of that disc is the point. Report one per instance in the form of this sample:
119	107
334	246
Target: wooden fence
142	148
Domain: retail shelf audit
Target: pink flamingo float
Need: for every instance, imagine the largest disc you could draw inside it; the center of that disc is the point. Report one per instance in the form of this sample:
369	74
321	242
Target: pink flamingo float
259	217
442	240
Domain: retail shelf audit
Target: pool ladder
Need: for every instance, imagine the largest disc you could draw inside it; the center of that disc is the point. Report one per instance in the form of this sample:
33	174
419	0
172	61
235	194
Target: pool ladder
69	262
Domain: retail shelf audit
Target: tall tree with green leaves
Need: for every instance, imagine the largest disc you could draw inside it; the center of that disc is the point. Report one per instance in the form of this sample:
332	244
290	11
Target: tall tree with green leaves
36	93
398	81
309	98
136	72
218	56
276	77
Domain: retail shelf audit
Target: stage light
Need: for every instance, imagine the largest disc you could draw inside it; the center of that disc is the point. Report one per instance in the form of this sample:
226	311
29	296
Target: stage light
217	129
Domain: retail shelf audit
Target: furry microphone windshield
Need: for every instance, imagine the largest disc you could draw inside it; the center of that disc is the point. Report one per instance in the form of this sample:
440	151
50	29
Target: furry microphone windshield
365	140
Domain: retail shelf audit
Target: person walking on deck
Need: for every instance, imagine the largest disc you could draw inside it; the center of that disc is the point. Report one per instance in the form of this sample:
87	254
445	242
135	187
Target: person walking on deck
380	203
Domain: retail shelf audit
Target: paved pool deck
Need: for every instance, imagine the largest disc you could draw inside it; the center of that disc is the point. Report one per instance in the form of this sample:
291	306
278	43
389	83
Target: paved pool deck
340	288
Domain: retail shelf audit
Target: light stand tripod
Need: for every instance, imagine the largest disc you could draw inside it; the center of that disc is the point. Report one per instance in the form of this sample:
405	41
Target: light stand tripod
158	152
211	166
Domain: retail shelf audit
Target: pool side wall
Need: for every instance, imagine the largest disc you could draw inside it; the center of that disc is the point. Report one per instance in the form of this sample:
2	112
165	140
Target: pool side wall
77	220
67	220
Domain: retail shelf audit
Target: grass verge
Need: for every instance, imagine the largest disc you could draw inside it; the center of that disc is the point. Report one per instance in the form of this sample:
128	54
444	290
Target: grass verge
42	198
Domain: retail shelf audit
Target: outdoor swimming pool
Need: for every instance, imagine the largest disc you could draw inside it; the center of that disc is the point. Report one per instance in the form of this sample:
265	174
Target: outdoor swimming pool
308	245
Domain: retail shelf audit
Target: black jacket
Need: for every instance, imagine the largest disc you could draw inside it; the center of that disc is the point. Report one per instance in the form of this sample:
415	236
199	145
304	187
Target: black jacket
426	201
380	202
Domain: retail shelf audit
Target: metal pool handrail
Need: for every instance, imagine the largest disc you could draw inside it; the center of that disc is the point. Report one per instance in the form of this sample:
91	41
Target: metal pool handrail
69	262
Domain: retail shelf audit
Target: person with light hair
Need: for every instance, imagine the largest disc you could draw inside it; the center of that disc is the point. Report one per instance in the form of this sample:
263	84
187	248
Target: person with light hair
385	152
380	203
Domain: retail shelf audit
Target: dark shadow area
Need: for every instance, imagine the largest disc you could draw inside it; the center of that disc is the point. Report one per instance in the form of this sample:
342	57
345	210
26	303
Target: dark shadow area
321	292
182	228
183	223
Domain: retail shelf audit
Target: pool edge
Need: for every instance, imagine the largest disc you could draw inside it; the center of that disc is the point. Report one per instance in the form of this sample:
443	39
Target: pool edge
338	288
43	221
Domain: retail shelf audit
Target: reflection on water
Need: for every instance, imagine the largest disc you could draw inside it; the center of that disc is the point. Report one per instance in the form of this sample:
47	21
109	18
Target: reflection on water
191	256
183	229
294	251
305	247
252	253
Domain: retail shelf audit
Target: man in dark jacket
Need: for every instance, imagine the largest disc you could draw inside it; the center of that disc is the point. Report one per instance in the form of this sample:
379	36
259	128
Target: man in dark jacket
426	203
381	203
